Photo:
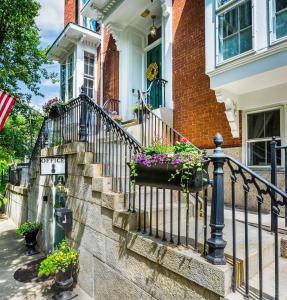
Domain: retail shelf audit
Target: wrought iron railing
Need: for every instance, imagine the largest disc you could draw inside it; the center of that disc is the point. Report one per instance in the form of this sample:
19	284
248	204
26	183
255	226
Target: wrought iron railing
112	106
163	212
36	152
275	152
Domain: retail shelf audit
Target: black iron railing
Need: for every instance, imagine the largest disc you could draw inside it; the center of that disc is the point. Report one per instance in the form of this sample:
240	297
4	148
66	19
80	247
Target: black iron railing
275	150
112	106
167	213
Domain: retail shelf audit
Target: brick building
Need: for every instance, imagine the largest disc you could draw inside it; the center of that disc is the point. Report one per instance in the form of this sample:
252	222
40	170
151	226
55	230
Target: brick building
210	86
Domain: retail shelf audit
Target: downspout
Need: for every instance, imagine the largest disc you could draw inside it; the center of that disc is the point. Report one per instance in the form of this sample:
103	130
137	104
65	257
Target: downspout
102	67
77	12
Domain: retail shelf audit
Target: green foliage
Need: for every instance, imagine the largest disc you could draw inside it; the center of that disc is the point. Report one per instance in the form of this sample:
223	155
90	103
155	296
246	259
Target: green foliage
28	227
21	57
59	260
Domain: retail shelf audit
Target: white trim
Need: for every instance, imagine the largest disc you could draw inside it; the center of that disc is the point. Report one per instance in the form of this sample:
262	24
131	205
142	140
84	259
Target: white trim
227	7
153	45
272	28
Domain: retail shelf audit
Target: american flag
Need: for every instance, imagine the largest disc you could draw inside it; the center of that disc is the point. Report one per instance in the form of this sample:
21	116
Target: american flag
6	103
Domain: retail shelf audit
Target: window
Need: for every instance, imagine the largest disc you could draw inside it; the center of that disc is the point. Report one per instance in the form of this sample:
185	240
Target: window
63	81
85	22
279	10
234	29
261	127
70	74
93	25
89	62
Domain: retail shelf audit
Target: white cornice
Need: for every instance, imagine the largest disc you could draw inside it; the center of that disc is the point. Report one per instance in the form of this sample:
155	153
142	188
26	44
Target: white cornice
115	31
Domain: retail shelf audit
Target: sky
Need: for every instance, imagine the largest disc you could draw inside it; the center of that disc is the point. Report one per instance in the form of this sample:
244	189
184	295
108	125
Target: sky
50	22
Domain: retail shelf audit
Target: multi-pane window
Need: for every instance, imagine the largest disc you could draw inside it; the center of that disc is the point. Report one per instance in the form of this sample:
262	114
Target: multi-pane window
261	127
70	73
279	18
63	82
234	29
89	62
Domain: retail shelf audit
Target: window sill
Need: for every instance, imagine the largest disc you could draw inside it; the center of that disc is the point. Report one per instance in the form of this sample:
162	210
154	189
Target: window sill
279	41
235	58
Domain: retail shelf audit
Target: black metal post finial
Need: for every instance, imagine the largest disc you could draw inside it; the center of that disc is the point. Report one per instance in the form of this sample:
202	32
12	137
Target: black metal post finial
82	91
216	243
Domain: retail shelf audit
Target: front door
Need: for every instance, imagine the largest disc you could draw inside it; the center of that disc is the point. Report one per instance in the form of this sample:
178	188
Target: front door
154	56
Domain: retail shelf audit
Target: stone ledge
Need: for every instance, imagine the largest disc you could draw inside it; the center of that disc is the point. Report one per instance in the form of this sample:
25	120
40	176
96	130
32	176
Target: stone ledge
102	184
125	220
92	170
21	190
72	148
84	158
113	201
184	262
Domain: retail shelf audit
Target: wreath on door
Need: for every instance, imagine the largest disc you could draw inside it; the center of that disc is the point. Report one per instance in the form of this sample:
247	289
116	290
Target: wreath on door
152	71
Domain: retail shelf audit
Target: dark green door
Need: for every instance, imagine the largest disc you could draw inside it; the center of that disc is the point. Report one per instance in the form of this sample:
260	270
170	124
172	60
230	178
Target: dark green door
154	56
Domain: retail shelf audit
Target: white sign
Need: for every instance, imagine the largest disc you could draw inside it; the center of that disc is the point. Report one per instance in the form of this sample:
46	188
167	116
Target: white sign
54	165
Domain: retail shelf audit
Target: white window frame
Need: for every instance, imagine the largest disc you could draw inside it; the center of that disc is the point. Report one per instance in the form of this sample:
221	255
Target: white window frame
223	9
272	24
282	109
66	63
89	77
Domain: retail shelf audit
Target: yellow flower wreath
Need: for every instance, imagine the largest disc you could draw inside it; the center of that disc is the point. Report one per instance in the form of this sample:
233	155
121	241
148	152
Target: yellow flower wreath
152	71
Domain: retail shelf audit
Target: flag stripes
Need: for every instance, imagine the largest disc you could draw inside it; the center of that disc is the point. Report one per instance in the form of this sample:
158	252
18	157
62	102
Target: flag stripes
6	103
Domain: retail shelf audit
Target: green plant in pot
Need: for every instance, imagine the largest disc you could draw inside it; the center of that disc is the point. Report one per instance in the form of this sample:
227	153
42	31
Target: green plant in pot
140	110
61	263
30	230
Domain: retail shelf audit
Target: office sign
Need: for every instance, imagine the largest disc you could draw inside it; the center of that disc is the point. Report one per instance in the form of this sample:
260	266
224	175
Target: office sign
53	165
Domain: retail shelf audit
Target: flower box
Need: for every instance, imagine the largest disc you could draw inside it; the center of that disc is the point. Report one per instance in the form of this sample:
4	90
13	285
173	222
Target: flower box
160	177
56	111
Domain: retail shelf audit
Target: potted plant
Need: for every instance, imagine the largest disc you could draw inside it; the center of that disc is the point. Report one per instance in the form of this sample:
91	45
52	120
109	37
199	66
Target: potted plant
116	116
180	166
61	263
140	111
53	108
29	230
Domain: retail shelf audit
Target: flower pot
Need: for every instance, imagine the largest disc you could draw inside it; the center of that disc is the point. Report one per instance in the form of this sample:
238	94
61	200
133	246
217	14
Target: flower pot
64	280
159	176
56	111
31	242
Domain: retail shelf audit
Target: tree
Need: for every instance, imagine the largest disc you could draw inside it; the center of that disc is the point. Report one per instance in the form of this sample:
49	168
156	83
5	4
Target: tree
21	57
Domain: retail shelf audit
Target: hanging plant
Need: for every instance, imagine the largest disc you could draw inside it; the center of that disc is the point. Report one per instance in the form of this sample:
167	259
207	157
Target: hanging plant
180	166
152	71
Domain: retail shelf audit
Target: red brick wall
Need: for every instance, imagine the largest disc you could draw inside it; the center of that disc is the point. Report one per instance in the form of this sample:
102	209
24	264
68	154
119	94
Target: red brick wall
197	114
69	12
111	67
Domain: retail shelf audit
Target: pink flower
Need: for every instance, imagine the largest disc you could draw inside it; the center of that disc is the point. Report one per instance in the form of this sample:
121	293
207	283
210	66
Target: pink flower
184	140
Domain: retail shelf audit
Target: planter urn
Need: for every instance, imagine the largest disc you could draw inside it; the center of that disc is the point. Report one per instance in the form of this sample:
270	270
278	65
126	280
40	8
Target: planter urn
31	242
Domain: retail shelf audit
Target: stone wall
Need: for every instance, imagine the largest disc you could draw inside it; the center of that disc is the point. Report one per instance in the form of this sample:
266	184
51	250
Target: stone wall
116	261
17	206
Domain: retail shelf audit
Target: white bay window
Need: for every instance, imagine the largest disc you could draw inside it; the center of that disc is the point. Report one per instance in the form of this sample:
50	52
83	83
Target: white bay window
234	22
